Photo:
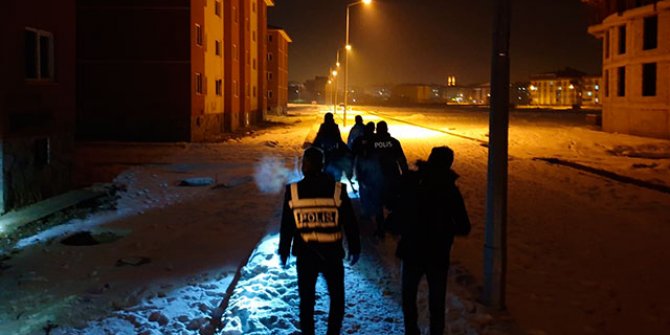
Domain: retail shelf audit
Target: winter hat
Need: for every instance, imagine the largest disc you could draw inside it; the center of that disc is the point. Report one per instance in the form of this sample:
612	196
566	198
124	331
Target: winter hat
312	159
441	158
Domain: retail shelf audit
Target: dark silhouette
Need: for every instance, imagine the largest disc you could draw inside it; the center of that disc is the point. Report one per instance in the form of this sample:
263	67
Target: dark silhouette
431	211
356	131
316	210
367	171
388	153
339	159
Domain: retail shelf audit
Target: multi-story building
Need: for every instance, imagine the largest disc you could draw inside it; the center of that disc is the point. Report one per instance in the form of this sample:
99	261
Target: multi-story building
414	93
169	70
636	65
590	93
277	75
557	89
37	99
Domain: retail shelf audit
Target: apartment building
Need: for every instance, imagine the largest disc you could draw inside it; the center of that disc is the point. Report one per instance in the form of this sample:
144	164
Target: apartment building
636	65
277	75
37	100
169	70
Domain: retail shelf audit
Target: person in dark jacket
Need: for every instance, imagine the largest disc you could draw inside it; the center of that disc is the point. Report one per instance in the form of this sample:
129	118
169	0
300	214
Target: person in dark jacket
367	171
316	212
431	212
356	131
328	138
390	157
339	159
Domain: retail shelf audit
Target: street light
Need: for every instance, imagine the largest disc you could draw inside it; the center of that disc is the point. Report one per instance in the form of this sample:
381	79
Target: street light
346	59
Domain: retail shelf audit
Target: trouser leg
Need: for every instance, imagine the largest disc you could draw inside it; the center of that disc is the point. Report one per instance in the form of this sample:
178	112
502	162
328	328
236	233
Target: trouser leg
334	276
307	274
437	291
411	276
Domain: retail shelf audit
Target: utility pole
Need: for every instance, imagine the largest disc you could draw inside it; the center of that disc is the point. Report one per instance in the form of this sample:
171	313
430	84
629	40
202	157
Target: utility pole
495	246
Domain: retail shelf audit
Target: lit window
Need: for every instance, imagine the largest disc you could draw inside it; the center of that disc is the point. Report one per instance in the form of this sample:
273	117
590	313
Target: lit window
39	54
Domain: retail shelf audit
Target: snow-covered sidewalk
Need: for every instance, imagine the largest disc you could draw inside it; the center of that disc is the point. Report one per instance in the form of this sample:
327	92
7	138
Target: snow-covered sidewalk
265	300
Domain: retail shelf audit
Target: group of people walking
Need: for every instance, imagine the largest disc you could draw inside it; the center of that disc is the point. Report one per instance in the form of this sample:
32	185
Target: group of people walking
428	209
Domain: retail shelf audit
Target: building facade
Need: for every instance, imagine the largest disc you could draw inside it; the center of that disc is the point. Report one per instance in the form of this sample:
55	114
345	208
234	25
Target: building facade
636	65
562	88
37	100
169	70
277	75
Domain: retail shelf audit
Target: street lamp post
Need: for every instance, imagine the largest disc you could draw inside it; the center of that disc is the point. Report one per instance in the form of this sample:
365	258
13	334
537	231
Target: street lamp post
337	67
346	59
334	74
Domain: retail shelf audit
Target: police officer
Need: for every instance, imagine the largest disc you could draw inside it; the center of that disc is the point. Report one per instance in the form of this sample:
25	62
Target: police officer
390	157
316	212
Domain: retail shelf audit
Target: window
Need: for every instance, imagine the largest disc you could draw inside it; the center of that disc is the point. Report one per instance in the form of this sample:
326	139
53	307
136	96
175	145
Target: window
649	79
42	151
650	33
253	35
253	7
622	40
198	34
217	8
269	94
606	44
270	38
269	56
217	48
269	76
39	54
621	81
607	83
198	83
219	87
235	52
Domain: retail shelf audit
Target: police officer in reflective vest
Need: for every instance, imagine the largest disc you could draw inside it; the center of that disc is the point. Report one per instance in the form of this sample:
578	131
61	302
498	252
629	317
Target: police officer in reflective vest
316	212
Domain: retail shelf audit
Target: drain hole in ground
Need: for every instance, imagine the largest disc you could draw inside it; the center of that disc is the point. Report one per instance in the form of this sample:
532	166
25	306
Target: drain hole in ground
84	238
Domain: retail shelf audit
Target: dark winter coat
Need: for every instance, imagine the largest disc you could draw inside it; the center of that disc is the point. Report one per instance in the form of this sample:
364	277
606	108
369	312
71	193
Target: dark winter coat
356	131
319	185
388	152
431	211
328	138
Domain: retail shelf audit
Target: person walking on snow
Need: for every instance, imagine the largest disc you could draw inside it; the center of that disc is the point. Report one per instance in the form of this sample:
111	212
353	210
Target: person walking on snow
316	212
431	211
338	156
356	131
388	153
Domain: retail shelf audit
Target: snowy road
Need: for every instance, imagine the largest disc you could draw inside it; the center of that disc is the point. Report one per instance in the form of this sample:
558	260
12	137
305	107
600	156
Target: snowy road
587	255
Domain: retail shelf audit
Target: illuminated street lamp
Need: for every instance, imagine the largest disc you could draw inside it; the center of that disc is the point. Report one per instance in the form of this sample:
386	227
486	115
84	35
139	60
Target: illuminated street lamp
346	58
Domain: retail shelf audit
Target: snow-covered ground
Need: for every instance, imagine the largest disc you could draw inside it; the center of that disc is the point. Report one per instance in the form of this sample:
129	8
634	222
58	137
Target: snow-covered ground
587	255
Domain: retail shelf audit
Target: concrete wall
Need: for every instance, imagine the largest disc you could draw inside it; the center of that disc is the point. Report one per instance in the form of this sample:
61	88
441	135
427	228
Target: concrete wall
37	115
134	70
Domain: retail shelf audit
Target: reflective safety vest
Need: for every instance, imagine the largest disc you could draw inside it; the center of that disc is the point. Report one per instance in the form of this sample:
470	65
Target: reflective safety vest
317	218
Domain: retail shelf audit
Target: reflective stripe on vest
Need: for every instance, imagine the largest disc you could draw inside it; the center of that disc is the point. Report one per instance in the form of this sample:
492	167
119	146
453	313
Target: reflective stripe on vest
317	218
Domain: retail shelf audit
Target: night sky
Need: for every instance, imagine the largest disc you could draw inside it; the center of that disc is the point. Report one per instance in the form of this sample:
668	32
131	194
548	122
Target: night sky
424	41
